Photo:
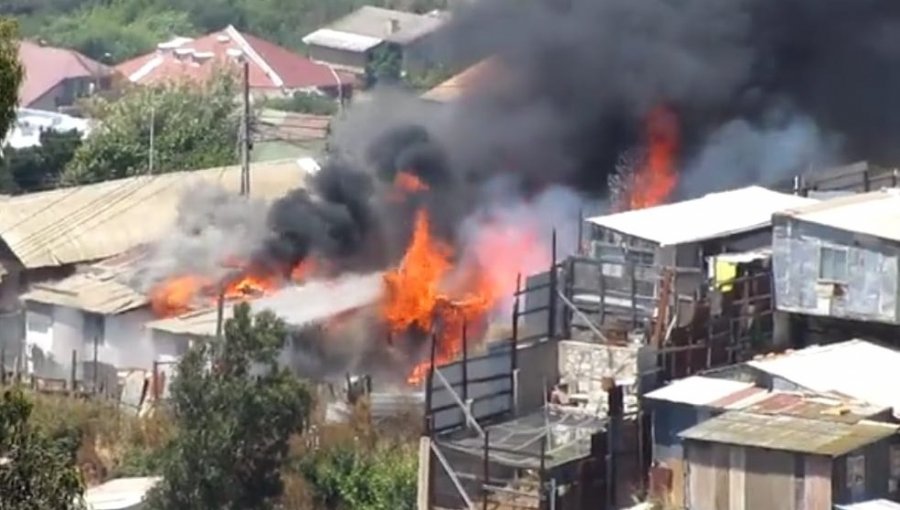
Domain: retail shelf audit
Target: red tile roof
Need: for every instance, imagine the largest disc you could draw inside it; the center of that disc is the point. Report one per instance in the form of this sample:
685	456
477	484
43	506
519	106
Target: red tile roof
46	67
271	66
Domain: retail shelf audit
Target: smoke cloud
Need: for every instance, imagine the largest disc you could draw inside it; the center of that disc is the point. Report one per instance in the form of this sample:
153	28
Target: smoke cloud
761	89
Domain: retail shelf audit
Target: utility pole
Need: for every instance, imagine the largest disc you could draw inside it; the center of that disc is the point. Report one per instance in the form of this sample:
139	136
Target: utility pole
245	133
152	136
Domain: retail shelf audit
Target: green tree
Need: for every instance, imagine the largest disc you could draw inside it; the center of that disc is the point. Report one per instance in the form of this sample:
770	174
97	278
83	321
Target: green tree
11	73
235	410
36	471
116	31
40	167
385	66
193	127
349	477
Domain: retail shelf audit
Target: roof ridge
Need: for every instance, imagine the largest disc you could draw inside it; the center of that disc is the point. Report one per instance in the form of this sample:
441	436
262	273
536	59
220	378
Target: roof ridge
245	45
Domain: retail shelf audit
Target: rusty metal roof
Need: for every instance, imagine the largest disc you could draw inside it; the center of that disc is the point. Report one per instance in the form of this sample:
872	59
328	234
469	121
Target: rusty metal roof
789	433
93	222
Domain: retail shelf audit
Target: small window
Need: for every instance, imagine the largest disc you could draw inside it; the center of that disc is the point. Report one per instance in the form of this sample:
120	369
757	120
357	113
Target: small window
833	264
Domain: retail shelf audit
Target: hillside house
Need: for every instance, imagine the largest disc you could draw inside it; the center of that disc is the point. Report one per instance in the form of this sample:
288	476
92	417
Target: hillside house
748	461
273	70
351	42
836	262
45	235
57	77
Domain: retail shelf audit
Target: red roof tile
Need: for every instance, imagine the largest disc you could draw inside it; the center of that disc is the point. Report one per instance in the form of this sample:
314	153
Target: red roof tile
271	66
46	67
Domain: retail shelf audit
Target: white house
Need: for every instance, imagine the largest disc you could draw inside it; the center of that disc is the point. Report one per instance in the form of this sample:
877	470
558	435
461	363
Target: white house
26	132
92	312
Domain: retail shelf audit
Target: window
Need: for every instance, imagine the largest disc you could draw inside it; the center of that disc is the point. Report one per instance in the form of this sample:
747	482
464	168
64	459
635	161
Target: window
833	264
94	328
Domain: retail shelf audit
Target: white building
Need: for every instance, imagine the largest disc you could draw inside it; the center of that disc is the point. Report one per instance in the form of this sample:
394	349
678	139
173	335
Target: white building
92	311
26	132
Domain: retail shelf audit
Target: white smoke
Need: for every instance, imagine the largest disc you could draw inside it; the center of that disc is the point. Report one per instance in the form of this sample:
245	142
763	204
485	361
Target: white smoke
212	224
740	154
510	234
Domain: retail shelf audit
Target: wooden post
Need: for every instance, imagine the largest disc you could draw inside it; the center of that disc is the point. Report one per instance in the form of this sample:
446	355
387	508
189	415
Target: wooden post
245	131
3	366
73	373
220	312
94	389
542	493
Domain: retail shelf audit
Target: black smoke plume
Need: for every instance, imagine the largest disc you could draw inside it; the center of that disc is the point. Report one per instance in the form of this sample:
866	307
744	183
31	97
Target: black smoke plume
761	89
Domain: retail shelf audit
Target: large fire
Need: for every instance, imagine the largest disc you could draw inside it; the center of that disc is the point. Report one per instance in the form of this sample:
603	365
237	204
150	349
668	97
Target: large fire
654	181
426	287
181	294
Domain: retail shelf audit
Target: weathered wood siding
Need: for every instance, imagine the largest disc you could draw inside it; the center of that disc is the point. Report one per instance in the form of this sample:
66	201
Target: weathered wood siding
817	483
769	480
724	477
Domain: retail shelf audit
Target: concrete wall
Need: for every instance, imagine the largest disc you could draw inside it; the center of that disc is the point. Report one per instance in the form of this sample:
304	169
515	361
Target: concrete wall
870	292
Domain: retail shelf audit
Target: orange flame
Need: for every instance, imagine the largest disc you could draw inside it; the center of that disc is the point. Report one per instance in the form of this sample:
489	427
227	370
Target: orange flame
183	293
654	182
409	183
417	294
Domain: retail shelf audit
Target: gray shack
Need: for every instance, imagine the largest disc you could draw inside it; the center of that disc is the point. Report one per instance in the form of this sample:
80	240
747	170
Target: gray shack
747	461
838	259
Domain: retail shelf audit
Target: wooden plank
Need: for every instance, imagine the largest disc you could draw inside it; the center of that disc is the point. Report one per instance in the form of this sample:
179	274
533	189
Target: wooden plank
817	483
737	481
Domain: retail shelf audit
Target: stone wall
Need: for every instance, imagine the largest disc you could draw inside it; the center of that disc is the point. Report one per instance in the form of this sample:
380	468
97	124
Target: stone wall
583	366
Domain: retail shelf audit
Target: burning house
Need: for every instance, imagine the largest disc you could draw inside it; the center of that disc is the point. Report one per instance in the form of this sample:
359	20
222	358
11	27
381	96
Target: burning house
91	316
47	235
324	319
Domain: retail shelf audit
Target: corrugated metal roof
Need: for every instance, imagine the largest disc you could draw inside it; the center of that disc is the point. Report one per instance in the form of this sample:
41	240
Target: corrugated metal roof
85	223
714	215
340	40
856	368
298	306
372	22
99	288
814	406
698	390
789	433
875	504
876	213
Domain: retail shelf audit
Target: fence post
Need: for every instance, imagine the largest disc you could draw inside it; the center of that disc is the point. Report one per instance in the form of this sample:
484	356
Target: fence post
465	362
487	476
551	303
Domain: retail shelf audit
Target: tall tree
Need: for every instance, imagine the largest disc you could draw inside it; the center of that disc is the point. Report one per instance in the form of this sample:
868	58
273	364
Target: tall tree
11	73
36	471
235	409
192	125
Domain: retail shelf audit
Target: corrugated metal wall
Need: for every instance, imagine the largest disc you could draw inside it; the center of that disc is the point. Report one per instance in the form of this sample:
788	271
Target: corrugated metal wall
870	293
